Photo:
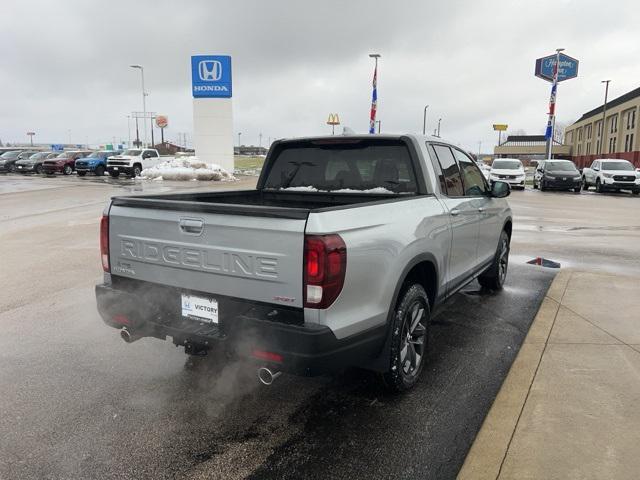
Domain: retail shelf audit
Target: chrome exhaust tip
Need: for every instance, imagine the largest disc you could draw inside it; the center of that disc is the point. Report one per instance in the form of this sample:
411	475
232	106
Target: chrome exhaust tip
267	376
127	336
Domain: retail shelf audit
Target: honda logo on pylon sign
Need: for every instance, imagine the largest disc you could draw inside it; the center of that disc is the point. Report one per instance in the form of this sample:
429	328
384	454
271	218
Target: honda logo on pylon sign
210	70
211	76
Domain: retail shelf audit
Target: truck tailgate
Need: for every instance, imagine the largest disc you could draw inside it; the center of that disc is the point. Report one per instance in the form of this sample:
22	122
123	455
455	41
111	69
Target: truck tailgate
255	258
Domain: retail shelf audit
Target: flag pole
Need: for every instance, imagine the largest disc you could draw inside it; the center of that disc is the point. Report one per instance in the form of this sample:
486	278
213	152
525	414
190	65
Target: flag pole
551	122
374	95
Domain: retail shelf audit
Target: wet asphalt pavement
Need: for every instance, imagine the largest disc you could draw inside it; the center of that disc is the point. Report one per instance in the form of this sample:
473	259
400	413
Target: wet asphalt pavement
77	402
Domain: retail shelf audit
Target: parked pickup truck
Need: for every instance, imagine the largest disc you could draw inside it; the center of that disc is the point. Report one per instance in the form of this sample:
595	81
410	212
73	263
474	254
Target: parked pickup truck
133	161
611	174
338	257
95	163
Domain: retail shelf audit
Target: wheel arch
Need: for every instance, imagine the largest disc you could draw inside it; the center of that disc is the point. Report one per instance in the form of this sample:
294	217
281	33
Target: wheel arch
423	268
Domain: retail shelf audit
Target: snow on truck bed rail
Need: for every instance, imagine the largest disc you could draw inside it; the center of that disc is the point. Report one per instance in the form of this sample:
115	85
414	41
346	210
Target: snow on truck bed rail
187	168
377	190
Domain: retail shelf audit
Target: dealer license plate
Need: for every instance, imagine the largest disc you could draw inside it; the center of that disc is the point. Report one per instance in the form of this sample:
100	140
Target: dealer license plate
200	308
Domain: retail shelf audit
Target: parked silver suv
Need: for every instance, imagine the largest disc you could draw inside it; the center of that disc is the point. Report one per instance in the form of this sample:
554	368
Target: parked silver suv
338	257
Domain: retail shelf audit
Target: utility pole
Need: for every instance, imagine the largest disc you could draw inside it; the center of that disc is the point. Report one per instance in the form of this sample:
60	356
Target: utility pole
144	101
239	134
379	122
479	148
137	133
439	120
260	140
424	120
604	113
129	130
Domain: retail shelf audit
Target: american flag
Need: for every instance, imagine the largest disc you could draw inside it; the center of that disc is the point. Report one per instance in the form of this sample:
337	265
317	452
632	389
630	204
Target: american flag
374	102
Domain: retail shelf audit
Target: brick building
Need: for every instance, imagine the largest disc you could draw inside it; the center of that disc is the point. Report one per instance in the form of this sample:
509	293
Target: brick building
620	136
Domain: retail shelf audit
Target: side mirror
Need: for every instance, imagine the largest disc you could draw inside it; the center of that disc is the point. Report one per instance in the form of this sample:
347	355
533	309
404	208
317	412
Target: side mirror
596	169
500	189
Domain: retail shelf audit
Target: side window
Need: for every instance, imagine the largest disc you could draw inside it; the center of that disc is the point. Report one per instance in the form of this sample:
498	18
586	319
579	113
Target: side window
450	171
472	178
153	154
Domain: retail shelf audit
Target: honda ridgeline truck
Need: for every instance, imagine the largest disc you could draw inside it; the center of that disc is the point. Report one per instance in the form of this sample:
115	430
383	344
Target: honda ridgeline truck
338	258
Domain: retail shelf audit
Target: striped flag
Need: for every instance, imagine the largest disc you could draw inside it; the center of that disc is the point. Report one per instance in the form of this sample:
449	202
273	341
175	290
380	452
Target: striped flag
374	102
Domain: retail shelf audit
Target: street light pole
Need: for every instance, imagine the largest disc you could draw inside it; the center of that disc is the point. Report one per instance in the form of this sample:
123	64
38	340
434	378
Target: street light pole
439	120
144	102
239	134
604	113
424	120
379	122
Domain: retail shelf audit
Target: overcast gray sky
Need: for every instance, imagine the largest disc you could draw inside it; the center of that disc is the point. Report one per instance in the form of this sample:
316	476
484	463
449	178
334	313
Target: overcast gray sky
65	64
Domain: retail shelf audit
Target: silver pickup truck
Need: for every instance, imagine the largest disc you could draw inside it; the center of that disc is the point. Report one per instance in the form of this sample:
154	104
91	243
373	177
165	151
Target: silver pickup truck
338	258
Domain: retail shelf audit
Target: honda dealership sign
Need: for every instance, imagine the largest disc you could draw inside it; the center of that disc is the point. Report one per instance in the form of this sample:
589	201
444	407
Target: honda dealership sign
211	76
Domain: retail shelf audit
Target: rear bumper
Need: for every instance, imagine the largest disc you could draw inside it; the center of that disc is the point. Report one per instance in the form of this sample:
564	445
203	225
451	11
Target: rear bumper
306	349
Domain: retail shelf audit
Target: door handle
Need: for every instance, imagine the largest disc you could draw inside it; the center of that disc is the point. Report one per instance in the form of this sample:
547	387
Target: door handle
481	209
192	226
455	212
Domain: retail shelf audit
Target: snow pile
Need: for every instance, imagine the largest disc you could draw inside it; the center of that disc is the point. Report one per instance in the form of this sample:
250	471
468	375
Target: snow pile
187	168
310	188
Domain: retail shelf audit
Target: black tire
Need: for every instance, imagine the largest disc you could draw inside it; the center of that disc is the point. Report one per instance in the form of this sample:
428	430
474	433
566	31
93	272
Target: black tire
585	185
409	339
599	188
67	170
542	186
114	174
577	189
99	171
12	168
82	174
493	278
635	192
535	185
137	169
38	169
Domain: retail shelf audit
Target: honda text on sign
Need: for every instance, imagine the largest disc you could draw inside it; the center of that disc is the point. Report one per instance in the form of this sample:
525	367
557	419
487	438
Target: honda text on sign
211	76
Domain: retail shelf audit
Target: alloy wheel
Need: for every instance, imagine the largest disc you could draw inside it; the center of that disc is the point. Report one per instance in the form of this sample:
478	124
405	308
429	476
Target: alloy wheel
413	337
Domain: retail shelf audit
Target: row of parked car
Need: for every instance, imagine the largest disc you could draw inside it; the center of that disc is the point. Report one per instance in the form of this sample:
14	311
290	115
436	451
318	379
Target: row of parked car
606	174
130	162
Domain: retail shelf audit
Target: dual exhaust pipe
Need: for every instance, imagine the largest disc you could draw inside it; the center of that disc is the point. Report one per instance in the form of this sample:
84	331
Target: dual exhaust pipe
265	374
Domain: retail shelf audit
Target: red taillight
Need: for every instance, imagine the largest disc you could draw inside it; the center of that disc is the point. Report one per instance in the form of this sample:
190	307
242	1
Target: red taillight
267	356
325	265
104	242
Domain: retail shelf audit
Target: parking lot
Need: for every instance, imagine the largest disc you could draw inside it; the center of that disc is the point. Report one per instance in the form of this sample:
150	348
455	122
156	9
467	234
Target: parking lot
78	402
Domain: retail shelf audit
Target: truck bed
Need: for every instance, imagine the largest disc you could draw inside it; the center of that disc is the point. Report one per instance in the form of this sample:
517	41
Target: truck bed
281	204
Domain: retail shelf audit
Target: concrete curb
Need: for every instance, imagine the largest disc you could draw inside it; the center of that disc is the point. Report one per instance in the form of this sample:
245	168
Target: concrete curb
489	449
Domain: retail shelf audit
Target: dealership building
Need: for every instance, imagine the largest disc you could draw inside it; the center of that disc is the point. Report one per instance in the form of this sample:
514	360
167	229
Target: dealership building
619	138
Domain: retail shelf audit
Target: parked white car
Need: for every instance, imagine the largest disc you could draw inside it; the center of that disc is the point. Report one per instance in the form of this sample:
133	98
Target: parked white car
611	174
508	170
